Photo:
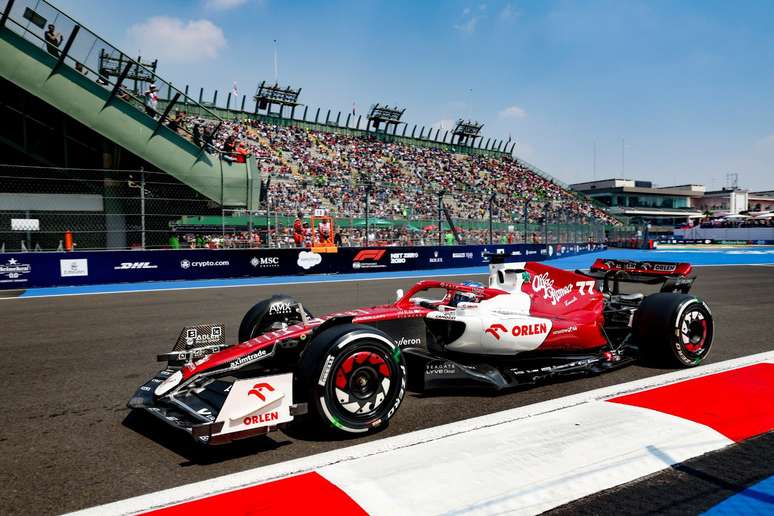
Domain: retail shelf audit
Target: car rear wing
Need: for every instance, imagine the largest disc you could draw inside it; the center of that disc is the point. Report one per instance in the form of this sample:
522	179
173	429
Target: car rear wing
672	275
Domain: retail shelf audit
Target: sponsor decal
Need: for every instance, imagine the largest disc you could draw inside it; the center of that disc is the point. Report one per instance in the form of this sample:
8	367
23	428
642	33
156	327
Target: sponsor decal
571	301
530	252
369	254
467	255
440	368
73	268
665	267
550	250
543	283
519	330
569	329
125	266
193	337
14	271
495	328
403	341
265	262
436	258
368	258
280	308
261	418
308	259
403	314
187	264
560	367
326	371
239	362
447	316
529	329
402	257
258	389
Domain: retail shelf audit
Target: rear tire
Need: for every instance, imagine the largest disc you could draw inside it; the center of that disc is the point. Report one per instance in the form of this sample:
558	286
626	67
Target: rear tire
352	377
268	315
673	329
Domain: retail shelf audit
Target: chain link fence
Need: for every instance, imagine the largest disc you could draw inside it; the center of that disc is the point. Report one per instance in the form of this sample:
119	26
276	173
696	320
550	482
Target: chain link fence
46	209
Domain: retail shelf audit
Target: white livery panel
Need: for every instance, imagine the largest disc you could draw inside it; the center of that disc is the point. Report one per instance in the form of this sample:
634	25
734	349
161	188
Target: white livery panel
257	402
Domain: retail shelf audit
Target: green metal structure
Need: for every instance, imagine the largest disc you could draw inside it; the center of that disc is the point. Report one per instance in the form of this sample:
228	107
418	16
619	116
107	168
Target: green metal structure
64	78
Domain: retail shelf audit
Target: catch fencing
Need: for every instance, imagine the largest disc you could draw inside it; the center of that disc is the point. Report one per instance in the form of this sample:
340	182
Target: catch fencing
50	209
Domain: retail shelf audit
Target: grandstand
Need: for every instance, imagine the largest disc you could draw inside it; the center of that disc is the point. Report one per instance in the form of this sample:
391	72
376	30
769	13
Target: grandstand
102	155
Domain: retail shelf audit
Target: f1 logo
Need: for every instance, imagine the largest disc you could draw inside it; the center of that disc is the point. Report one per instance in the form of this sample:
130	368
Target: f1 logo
257	388
369	254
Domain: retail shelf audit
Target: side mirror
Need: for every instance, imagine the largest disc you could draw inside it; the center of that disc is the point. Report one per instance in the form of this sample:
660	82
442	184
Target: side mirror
398	294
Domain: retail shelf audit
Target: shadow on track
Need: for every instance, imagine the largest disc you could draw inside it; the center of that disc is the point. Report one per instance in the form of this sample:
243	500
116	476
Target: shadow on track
197	454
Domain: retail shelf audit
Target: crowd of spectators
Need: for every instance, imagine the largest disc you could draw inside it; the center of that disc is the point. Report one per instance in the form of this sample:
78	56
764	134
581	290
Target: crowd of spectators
315	169
737	222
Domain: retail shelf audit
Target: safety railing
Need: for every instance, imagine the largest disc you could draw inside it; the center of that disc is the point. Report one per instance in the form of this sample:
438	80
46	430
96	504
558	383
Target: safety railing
72	44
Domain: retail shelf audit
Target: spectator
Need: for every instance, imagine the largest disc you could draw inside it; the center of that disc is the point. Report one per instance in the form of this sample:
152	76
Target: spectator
53	40
298	230
197	135
151	100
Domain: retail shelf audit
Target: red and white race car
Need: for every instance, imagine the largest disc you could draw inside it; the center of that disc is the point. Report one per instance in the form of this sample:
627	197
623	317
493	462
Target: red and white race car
350	370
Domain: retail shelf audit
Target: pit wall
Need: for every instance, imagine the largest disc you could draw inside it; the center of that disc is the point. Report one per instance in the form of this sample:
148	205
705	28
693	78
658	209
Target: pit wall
28	270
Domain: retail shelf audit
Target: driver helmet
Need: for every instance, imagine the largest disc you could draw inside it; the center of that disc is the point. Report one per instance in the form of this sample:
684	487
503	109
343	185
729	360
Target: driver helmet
468	297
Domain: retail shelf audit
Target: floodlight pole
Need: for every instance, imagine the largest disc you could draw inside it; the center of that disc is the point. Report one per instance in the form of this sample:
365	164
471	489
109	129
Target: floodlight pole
367	195
545	224
142	205
558	221
491	202
526	215
440	207
268	220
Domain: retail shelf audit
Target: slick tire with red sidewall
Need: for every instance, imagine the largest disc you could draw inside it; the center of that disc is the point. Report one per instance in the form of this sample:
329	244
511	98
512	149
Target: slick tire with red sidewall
353	378
673	329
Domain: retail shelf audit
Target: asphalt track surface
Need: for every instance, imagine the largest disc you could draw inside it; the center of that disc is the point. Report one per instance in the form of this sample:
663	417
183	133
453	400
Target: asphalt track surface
693	487
70	364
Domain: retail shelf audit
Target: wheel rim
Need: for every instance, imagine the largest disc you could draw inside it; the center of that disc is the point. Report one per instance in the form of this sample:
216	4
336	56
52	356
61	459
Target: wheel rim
362	383
694	332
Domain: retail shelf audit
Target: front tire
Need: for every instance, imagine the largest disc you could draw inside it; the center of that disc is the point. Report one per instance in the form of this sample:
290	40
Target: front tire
674	329
269	315
353	378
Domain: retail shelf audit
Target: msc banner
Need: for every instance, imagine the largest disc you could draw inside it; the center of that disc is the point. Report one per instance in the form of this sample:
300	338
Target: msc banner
27	270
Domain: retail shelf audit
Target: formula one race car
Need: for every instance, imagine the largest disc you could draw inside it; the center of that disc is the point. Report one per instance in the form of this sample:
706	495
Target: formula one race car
350	370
